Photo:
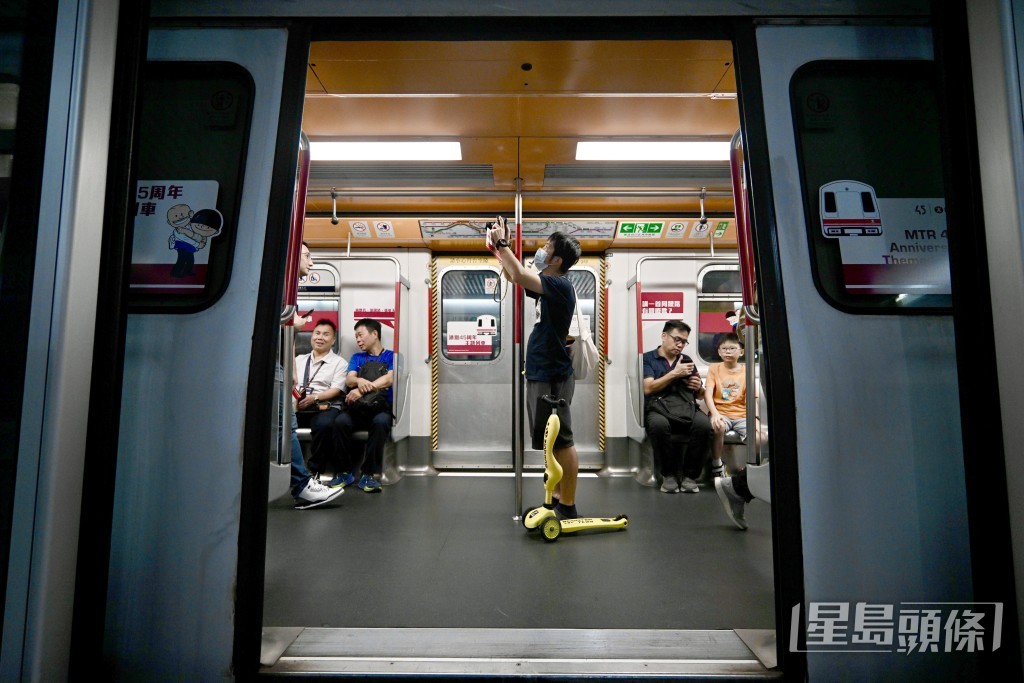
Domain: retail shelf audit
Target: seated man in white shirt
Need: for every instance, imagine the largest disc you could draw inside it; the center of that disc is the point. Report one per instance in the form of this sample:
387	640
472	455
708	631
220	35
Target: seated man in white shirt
321	382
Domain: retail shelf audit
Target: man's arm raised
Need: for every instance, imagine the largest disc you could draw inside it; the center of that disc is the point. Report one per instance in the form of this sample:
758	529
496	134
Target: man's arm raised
516	271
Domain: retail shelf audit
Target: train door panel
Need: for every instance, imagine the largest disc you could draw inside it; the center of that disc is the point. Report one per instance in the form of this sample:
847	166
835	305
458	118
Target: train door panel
718	299
586	405
474	363
179	461
874	369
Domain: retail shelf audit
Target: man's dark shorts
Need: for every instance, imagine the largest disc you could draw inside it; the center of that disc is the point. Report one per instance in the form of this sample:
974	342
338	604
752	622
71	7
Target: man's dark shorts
563	389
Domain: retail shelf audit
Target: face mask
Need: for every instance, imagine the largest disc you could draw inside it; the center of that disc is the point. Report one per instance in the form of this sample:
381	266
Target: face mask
540	260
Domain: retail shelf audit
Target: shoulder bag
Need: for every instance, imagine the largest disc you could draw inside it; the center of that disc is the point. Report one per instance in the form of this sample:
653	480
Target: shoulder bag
676	404
375	401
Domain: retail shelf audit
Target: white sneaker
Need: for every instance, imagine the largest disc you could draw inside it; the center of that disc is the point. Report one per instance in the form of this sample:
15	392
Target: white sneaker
731	501
315	494
689	486
669	484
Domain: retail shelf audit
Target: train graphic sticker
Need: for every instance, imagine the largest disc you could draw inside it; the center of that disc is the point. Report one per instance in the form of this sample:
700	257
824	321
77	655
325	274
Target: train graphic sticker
888	245
848	209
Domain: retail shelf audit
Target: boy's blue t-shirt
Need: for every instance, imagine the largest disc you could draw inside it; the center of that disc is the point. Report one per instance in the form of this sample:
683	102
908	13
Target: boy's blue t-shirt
547	359
386	356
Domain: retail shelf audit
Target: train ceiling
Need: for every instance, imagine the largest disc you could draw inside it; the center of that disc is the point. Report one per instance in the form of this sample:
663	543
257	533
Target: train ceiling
518	109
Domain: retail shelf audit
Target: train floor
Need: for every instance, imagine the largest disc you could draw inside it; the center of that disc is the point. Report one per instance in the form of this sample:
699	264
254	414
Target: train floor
444	552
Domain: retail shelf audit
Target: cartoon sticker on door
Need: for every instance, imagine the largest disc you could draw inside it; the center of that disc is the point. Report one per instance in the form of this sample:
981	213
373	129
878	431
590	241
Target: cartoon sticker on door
176	222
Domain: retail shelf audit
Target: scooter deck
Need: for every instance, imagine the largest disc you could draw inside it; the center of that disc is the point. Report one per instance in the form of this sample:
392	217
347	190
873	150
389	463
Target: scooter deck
582	523
533	519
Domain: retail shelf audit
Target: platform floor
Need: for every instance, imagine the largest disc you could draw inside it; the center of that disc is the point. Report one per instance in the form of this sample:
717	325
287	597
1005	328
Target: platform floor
444	552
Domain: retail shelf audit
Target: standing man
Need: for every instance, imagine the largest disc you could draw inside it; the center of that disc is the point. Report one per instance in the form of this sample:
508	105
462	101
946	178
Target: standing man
668	370
548	365
367	406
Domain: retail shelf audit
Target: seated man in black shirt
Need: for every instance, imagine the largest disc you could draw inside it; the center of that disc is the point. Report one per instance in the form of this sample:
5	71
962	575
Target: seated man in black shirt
667	369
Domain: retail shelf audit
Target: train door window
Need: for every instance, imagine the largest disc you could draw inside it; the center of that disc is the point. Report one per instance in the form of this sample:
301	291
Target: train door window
318	296
192	149
585	283
871	169
718	298
470	315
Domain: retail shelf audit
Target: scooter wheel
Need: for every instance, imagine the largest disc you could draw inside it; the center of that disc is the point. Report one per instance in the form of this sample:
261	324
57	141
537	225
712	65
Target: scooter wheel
551	528
526	512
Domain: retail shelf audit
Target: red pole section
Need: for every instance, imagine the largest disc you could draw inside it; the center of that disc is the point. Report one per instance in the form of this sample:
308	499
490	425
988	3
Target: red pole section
744	237
398	312
430	321
291	270
639	320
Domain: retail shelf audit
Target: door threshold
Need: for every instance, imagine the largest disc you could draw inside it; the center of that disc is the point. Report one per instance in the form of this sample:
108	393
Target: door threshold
561	653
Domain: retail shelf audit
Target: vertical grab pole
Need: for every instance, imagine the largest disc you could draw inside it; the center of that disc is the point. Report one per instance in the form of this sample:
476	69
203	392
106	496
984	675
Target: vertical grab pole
744	245
518	398
286	409
291	297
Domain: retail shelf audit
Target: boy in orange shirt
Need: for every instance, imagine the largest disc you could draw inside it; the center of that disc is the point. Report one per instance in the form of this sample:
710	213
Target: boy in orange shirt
725	395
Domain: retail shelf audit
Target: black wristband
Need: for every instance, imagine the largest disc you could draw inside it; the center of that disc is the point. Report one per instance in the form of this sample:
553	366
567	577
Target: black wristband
501	243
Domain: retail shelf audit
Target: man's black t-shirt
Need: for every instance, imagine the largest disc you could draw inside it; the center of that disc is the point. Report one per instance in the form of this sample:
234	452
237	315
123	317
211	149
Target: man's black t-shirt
547	359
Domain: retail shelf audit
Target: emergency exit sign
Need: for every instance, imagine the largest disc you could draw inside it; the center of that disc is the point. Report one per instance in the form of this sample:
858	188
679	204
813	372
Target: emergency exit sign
652	229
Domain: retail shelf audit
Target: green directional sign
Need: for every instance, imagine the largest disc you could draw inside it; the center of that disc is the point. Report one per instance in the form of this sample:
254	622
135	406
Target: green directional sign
637	229
720	229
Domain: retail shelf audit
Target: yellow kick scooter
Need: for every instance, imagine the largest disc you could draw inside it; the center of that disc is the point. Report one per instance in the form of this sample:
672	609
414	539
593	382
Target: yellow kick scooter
544	517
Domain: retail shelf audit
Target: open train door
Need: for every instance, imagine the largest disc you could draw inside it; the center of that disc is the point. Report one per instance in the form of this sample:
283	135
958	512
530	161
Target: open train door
220	129
858	324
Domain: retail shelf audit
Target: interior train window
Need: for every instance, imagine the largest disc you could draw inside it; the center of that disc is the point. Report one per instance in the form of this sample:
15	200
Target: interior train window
870	161
318	309
585	283
719	296
194	134
470	316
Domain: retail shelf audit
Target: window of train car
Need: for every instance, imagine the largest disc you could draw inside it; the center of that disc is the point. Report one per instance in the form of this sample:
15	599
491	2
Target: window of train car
470	315
870	158
584	281
324	309
718	296
195	121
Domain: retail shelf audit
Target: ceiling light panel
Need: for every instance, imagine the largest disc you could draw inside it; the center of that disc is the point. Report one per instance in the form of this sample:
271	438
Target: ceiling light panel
389	150
652	150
